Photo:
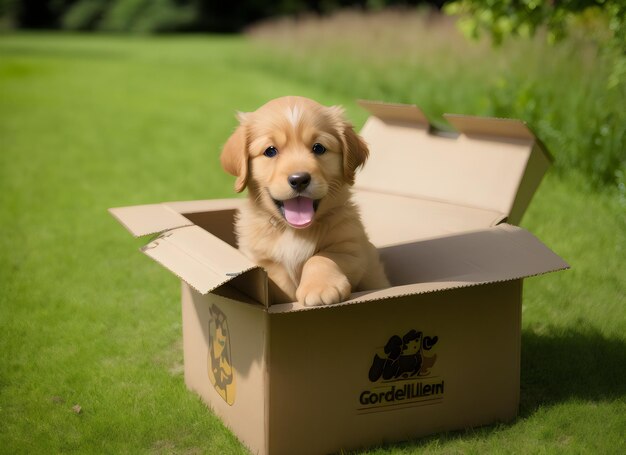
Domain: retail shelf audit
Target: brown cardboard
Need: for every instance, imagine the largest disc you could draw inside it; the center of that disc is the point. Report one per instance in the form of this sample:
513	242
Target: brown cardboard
292	379
483	167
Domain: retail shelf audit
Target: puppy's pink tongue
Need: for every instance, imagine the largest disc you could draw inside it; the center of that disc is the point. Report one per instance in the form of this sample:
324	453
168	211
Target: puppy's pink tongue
299	211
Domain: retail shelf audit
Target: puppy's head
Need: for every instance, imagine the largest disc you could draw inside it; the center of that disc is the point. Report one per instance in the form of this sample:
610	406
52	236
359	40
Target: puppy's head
295	156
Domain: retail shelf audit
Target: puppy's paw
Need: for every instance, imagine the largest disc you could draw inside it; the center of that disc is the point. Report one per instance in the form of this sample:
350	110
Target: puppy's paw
323	292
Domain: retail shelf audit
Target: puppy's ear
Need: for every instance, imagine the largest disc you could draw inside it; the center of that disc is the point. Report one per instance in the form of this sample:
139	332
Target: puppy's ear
355	153
234	157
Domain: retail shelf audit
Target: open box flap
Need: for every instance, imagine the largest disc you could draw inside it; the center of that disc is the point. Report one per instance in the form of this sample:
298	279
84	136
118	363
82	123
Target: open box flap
205	262
500	253
493	164
489	126
205	205
397	113
141	220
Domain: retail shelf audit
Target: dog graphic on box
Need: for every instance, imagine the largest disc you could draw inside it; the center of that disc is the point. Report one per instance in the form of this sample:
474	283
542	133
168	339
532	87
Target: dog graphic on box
219	361
403	357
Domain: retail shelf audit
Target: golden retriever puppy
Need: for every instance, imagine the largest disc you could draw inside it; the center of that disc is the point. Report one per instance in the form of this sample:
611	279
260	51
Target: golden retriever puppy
298	160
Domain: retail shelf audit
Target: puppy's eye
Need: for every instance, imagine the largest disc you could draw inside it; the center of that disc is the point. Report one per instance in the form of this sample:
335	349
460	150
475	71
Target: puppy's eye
318	148
270	152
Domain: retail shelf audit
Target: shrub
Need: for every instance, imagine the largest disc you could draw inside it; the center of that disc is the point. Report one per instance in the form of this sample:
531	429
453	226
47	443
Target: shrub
84	15
140	16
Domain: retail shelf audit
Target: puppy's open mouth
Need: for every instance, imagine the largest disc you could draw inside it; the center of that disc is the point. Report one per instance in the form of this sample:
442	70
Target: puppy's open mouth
299	211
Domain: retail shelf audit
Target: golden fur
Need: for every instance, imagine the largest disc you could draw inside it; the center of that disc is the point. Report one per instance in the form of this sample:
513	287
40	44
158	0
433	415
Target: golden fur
325	259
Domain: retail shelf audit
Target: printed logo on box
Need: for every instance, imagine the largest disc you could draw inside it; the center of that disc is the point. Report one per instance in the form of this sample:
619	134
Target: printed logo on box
401	373
221	372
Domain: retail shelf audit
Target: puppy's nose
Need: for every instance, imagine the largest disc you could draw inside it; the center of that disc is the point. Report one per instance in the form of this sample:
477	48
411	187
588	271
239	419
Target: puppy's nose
299	181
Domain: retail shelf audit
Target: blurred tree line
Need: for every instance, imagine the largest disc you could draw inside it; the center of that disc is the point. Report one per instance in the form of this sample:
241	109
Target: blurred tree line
157	16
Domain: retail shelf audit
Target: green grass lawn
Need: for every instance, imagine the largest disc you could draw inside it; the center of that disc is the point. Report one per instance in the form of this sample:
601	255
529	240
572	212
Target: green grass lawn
88	123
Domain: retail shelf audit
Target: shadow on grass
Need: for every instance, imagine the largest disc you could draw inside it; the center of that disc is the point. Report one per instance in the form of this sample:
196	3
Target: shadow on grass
557	365
568	364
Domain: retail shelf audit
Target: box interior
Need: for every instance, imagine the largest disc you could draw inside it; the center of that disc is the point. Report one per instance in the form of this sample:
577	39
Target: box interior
393	219
219	223
397	247
475	252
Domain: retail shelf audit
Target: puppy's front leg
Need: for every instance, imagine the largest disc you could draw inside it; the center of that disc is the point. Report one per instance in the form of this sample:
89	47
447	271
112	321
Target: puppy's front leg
324	280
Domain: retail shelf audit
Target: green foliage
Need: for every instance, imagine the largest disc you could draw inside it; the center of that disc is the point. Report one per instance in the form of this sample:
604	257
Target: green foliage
617	46
121	15
581	122
6	6
164	16
147	16
84	15
141	16
503	18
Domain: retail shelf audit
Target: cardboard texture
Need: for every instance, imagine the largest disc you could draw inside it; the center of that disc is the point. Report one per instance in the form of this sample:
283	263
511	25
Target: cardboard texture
438	350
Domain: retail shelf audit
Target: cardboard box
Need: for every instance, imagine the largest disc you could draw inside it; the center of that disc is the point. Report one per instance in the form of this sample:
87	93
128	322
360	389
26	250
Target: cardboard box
440	350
